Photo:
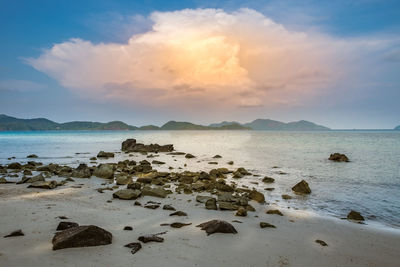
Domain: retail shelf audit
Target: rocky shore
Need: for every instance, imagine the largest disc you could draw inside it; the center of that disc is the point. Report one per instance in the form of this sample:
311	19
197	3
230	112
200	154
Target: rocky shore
64	214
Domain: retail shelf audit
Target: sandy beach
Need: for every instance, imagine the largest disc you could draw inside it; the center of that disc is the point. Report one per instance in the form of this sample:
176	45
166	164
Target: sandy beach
292	243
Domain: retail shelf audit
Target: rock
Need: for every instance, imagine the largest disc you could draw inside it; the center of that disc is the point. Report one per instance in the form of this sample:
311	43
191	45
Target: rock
157	162
266	225
14	166
65	225
217	226
302	188
32	156
104	171
202	199
155	192
123	180
241	212
152	206
179	225
276	212
189	156
130	145
269	189
44	184
81	236
93	158
284	196
178	213
128	228
227	205
103	154
268	180
137	203
217	157
135	246
230	162
150	238
135	185
211	204
127	194
354	215
168	207
338	157
257	196
322	243
82	171
15	233
27	172
213	162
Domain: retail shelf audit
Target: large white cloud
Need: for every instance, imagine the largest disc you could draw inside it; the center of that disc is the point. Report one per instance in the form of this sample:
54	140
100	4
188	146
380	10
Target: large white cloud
206	58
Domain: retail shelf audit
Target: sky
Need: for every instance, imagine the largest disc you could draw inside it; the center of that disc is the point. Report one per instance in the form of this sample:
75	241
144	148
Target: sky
336	63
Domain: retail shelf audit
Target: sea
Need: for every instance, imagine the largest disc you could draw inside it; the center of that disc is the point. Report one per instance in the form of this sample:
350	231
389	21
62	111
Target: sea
369	183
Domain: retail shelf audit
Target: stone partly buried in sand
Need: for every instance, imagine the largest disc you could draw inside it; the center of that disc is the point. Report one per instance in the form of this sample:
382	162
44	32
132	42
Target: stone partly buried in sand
155	192
179	225
15	233
217	226
44	184
302	188
81	236
150	238
321	242
276	212
127	194
339	157
130	145
66	225
135	247
266	225
355	216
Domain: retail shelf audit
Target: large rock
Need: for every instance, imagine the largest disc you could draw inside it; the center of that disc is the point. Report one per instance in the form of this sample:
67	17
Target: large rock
123	180
203	199
82	171
103	154
127	194
257	196
217	226
104	171
338	157
66	225
14	166
211	204
302	188
227	206
354	215
130	145
155	192
44	184
81	236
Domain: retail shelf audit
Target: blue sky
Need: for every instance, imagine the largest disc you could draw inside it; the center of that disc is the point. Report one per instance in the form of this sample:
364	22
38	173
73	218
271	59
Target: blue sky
28	28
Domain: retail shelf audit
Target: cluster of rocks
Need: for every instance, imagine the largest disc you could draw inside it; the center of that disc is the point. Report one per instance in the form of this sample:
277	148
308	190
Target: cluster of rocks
339	157
130	145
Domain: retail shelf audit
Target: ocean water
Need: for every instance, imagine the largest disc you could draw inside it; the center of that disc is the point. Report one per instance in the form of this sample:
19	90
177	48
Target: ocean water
370	183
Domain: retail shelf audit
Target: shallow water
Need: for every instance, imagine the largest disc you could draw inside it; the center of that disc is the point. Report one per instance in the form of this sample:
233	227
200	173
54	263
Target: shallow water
370	183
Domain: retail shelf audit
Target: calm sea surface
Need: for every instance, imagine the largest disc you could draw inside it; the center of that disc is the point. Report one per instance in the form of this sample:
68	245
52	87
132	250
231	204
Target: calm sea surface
370	183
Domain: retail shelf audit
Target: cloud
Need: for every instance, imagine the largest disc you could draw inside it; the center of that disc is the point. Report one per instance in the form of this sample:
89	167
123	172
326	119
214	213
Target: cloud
20	86
208	58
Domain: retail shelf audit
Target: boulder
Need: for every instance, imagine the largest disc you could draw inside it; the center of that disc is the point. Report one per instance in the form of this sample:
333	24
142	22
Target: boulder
242	212
32	156
103	154
44	184
130	145
354	215
82	171
155	192
217	226
14	166
65	225
211	204
257	196
338	157
104	171
302	188
135	185
81	236
123	180
268	180
127	194
203	199
179	225
227	206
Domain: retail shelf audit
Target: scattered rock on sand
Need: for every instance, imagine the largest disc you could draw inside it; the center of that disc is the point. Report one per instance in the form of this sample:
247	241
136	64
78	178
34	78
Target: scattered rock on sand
189	156
276	212
65	225
15	233
104	171
82	171
257	196
178	213
266	225
81	236
128	228
302	188
150	238
217	226
338	157
322	243
242	212
268	180
211	204
14	166
354	215
155	192
179	225
168	207
284	196
202	199
123	180
135	246
127	194
44	184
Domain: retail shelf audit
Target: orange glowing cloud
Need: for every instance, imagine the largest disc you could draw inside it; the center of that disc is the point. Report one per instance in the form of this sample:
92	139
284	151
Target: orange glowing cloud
203	57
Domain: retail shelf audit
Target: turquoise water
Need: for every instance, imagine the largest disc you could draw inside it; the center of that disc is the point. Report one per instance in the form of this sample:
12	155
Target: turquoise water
370	183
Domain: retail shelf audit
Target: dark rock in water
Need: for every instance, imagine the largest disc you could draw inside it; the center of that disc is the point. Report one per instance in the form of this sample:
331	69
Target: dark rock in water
65	225
268	180
32	156
128	228
168	207
217	226
276	212
257	196
354	215
127	194
284	196
266	225
189	156
178	213
14	166
104	171
322	243
15	233
130	145
211	204
44	184
242	212
82	171
135	246
150	238
103	154
338	157
179	225
81	236
302	188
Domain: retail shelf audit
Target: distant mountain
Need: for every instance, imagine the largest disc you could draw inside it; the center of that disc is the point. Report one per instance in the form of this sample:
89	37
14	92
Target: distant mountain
223	123
266	124
8	123
397	128
149	127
